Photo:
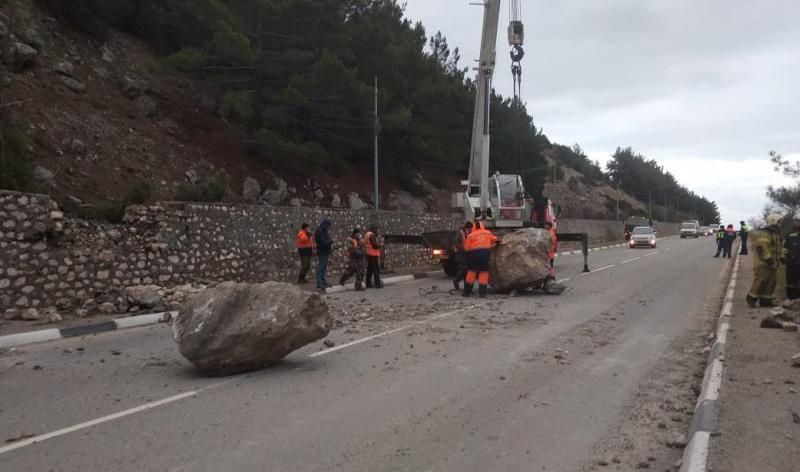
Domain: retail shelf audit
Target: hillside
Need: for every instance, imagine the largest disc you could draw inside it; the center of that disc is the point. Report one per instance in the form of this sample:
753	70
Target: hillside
108	117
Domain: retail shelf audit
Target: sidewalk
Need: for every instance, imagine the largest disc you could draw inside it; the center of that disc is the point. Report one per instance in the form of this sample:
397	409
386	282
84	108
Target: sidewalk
756	430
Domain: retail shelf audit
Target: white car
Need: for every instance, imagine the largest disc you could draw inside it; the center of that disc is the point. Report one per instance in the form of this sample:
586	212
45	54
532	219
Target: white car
642	236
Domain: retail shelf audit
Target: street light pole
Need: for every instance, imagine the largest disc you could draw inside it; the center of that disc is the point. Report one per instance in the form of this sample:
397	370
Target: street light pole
376	195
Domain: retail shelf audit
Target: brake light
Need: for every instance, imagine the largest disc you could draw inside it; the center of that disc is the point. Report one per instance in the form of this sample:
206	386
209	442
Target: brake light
438	252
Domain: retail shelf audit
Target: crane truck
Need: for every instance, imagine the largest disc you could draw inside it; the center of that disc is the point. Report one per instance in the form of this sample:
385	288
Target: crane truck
499	200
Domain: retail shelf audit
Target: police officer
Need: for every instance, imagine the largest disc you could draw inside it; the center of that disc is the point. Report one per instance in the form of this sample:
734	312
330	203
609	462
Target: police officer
768	253
459	254
720	240
356	255
373	244
744	232
478	248
792	250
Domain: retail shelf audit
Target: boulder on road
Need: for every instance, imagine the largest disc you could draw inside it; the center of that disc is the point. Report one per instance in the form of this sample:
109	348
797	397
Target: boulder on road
146	296
521	260
235	327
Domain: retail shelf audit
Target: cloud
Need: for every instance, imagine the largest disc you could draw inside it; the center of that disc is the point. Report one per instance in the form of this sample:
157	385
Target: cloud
699	86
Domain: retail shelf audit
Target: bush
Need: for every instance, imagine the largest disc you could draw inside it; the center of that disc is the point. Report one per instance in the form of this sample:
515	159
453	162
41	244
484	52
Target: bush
211	189
112	212
16	169
187	60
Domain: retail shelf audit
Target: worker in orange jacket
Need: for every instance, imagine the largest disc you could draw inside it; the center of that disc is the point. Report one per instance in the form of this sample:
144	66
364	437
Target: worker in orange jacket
478	248
305	249
374	244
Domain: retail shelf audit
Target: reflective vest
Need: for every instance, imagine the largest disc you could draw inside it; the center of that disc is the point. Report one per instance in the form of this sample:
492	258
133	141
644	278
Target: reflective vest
480	238
745	228
372	251
303	240
720	235
553	242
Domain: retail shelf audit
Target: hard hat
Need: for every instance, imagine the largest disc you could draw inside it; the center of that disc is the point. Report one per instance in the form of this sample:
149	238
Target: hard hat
773	219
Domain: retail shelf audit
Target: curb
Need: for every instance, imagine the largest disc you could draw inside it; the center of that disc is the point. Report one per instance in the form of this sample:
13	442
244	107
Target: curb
21	339
389	281
695	456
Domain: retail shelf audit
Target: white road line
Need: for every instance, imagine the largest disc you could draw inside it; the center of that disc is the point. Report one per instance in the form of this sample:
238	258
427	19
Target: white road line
600	269
104	419
391	331
631	260
651	254
564	280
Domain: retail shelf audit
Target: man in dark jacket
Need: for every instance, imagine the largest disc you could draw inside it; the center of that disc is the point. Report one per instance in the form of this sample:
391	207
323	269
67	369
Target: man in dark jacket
459	255
324	243
727	241
720	240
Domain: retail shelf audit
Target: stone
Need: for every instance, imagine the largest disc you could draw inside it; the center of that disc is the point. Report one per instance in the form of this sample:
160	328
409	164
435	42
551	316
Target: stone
30	314
107	55
78	147
53	316
12	314
795	360
251	190
107	308
133	88
102	72
521	260
355	202
32	37
336	201
43	175
147	296
295	202
790	327
191	176
771	322
407	203
677	441
233	328
276	196
65	68
319	194
73	84
21	56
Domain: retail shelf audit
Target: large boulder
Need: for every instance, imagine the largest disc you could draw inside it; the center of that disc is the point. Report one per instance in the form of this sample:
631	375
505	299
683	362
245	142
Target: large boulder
405	202
234	327
276	196
521	260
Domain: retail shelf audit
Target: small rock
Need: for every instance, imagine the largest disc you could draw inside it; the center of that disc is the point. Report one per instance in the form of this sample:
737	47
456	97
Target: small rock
107	55
643	465
790	327
73	84
678	441
133	88
295	202
795	418
43	175
65	68
251	190
30	314
54	317
32	37
771	323
336	200
328	343
102	72
355	202
107	308
78	146
795	360
12	314
318	194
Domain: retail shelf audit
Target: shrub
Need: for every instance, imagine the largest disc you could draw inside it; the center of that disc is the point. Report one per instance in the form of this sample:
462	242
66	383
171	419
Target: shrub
209	190
16	169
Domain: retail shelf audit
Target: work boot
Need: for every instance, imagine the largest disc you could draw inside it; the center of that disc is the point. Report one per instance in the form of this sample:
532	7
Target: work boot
482	291
751	301
766	303
467	289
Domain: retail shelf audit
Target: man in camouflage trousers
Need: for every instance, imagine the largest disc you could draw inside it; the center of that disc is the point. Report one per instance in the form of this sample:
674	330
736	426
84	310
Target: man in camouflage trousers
768	256
792	250
357	257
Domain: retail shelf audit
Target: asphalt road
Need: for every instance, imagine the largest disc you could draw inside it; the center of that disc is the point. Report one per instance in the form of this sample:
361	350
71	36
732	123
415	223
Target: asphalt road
419	380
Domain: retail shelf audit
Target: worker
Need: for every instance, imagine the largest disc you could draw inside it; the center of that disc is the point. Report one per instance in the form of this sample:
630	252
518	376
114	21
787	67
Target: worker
768	253
720	239
304	243
356	255
324	244
792	253
727	241
744	232
459	255
374	244
478	248
553	245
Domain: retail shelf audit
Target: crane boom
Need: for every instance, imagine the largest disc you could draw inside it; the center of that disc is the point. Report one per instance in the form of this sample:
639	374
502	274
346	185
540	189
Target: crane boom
479	154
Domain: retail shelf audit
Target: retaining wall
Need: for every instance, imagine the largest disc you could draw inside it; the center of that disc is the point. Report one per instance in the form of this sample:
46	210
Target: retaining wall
49	260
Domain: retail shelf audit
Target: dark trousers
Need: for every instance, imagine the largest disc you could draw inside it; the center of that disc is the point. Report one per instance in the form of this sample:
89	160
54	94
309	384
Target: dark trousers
305	265
322	268
793	282
355	267
374	272
726	248
743	252
720	245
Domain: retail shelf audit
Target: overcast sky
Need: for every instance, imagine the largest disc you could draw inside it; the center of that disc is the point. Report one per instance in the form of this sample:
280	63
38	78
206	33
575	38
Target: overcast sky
706	88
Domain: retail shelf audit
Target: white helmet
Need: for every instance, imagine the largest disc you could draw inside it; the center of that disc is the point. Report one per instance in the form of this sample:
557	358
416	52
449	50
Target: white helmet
773	219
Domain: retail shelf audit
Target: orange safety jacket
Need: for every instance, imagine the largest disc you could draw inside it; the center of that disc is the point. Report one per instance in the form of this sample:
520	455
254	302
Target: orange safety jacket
480	238
303	240
553	242
372	250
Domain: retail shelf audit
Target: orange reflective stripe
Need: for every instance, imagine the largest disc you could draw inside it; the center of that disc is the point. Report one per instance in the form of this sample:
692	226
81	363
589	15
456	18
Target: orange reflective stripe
480	239
483	278
371	250
302	241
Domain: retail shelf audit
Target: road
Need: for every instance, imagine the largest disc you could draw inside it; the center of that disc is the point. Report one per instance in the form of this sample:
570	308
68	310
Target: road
419	380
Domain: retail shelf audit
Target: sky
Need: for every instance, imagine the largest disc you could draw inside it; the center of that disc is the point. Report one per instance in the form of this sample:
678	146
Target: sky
706	88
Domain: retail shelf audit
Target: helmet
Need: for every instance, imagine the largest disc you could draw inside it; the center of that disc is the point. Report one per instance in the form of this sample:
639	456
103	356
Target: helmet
773	219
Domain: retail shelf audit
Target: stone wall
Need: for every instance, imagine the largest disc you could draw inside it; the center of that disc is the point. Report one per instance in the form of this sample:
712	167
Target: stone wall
48	260
609	231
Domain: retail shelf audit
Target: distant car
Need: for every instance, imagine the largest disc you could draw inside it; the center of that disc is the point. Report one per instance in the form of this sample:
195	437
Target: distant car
689	230
642	236
706	231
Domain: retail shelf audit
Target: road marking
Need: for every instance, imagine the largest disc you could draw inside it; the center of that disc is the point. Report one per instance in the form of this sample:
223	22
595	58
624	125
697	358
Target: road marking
631	260
651	254
392	331
564	280
105	419
600	269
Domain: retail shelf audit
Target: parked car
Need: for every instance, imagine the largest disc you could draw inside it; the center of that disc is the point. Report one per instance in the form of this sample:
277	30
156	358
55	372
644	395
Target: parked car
642	236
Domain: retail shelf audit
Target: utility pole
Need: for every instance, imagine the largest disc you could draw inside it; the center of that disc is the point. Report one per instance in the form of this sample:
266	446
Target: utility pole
650	204
665	207
617	200
376	196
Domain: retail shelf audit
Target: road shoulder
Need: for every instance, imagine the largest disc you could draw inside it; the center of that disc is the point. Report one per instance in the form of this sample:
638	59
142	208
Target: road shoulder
755	428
